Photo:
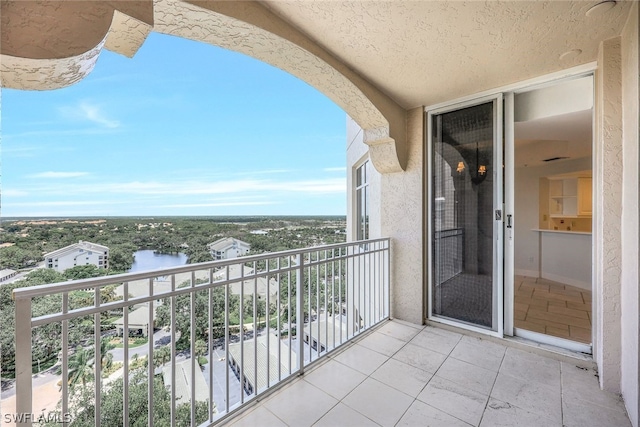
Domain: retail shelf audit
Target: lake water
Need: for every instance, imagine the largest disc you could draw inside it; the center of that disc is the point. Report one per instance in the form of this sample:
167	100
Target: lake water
150	260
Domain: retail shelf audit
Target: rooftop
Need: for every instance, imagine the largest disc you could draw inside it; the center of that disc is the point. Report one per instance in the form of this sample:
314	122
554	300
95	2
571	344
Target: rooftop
404	374
87	246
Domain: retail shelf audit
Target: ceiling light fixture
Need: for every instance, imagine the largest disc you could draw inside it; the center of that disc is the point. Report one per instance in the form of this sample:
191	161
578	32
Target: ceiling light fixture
600	8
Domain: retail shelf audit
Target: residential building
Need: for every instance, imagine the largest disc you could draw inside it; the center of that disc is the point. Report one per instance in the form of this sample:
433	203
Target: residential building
7	274
81	253
328	331
228	248
138	322
184	379
261	361
441	98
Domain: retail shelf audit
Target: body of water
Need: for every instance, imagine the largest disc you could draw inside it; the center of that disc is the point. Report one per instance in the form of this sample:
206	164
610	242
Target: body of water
150	260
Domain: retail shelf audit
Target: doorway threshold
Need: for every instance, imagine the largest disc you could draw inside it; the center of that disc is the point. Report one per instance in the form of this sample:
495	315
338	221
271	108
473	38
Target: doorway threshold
578	358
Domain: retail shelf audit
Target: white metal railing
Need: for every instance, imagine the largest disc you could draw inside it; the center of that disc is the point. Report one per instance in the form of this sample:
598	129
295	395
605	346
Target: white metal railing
313	300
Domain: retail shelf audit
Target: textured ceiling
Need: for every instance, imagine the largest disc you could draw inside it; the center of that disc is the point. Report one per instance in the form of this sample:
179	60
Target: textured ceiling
425	52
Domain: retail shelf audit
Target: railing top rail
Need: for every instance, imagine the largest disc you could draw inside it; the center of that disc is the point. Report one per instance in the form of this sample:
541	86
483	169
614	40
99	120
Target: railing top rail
75	285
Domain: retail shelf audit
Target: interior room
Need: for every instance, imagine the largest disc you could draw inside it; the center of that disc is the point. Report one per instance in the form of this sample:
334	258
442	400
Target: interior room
553	211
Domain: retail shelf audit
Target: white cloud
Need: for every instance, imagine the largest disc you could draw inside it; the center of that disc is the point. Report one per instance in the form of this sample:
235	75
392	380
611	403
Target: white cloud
90	112
55	175
62	203
13	193
215	204
198	187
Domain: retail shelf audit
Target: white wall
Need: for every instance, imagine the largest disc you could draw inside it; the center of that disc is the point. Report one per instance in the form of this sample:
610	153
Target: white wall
629	293
526	214
396	211
357	153
607	231
78	257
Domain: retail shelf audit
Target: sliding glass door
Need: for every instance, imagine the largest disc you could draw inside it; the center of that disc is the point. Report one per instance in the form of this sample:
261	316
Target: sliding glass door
465	224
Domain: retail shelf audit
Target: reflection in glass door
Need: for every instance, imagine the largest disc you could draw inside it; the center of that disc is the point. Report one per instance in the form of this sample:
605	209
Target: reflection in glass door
466	214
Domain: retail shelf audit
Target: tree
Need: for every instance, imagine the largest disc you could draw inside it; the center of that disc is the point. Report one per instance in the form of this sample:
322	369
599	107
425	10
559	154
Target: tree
83	272
80	367
16	258
161	356
111	407
121	259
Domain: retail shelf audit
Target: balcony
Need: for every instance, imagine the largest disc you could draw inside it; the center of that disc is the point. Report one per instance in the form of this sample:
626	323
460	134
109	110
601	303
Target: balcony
401	374
198	342
329	355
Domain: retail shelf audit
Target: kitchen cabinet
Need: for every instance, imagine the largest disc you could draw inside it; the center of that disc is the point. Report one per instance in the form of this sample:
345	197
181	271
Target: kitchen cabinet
585	203
566	202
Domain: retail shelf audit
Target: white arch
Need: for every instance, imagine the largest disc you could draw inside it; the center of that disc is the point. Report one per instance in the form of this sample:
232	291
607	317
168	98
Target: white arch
247	27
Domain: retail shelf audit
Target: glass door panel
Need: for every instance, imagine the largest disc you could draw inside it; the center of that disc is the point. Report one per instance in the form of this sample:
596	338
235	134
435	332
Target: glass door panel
466	215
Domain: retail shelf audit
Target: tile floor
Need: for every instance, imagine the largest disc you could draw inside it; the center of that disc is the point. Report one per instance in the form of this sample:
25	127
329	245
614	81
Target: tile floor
553	308
408	375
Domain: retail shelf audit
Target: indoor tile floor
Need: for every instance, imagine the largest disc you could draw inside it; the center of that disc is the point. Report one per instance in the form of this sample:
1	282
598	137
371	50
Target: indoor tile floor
408	375
553	308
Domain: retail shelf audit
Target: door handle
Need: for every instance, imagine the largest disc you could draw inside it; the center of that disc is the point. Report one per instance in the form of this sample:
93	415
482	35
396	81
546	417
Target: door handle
509	220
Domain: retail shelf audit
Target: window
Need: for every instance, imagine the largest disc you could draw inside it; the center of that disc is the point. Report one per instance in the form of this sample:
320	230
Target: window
362	201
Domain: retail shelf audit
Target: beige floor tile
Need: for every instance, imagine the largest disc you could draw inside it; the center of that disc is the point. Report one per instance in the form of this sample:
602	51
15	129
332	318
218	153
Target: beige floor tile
541	320
259	416
532	302
300	404
398	330
564	297
568	311
479	352
378	402
335	378
531	367
519	315
582	384
579	306
443	332
525	291
503	414
467	375
529	395
421	358
454	399
405	378
558	318
520	306
529	326
436	342
421	414
557	332
381	343
361	359
580	334
580	413
557	302
342	415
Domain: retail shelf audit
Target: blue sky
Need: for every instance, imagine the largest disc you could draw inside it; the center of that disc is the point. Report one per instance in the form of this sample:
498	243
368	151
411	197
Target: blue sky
182	128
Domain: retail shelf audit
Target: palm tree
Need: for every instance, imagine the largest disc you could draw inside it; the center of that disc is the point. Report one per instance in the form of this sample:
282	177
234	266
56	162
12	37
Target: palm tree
80	367
106	358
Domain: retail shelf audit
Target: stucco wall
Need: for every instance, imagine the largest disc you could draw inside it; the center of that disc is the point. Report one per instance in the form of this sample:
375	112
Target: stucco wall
396	212
629	292
401	214
607	231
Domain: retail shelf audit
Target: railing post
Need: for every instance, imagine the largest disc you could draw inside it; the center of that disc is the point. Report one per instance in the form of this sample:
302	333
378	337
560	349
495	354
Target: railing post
300	311
23	362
